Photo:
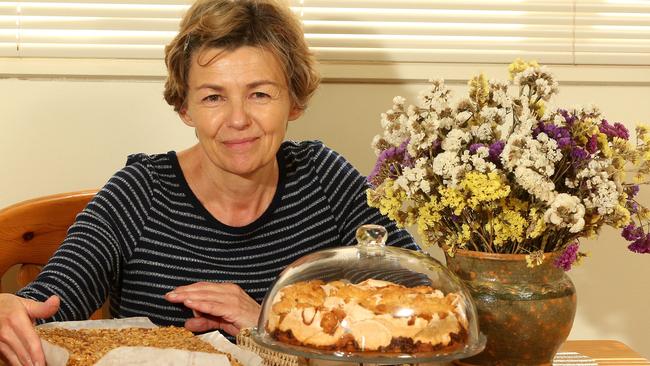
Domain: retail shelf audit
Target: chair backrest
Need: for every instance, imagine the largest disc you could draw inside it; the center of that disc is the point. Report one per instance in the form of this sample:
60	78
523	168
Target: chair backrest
30	232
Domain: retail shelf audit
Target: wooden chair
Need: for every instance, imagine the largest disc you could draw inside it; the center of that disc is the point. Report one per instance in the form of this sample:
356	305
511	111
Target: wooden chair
30	232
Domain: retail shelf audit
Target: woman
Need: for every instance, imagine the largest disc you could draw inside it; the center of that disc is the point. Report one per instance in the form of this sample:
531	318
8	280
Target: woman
196	238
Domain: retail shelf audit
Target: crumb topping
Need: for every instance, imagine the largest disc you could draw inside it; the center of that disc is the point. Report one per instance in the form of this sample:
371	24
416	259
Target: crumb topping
87	346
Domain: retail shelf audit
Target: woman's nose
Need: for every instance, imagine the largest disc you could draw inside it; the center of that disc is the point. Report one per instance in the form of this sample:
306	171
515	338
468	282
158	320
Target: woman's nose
238	117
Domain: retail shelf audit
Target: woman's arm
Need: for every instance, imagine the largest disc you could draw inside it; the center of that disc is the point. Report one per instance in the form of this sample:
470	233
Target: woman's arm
88	262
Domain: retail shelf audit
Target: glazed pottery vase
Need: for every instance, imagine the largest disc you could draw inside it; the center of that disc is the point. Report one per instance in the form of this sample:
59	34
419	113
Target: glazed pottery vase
526	313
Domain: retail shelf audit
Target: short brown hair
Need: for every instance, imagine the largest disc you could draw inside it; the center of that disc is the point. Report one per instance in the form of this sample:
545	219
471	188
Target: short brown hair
231	24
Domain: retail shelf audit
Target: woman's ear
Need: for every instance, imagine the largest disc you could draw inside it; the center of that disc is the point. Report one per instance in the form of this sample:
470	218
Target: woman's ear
187	119
295	113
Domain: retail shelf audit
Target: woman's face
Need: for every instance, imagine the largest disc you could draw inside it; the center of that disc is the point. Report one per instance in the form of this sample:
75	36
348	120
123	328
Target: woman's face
239	105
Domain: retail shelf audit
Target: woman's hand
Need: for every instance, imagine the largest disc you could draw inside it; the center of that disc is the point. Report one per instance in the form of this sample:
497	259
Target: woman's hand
19	343
216	306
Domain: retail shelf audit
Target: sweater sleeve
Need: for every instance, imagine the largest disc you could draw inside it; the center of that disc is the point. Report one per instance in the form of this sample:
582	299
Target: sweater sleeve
88	263
346	189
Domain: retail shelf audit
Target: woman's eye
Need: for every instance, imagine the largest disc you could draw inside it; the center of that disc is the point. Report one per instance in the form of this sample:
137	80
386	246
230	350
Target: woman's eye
260	95
213	98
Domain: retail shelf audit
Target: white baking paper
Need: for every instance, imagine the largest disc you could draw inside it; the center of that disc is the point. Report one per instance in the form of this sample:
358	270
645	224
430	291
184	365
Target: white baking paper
149	356
136	356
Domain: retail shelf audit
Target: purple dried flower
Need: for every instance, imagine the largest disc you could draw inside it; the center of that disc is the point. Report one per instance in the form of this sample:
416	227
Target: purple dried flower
455	218
631	232
378	165
398	154
404	153
641	245
592	145
633	207
559	134
495	151
632	190
578	154
473	148
568	257
617	130
435	144
568	117
563	142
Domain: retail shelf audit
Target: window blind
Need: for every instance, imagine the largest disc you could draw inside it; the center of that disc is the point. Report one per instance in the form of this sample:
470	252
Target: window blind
606	32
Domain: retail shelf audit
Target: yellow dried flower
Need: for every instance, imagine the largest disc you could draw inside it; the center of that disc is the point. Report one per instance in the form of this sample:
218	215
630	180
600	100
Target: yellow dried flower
520	65
429	214
539	108
388	200
534	259
483	188
452	198
464	236
621	216
603	145
537	227
515	204
479	90
508	226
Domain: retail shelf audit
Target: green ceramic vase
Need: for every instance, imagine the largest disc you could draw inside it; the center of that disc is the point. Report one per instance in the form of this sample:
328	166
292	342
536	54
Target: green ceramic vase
526	313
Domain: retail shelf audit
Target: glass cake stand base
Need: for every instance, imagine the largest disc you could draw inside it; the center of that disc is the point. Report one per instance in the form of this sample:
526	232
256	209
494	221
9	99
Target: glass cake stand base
262	342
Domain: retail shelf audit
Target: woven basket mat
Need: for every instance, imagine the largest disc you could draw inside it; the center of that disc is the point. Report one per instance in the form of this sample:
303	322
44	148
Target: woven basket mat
270	357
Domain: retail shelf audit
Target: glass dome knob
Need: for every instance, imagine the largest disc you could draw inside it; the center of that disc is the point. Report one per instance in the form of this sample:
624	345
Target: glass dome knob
371	236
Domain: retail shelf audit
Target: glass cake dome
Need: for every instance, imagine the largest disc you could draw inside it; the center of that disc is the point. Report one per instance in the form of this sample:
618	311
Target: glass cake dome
369	303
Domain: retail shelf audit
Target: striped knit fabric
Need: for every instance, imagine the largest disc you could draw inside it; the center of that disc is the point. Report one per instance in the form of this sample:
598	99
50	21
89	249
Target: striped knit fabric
146	233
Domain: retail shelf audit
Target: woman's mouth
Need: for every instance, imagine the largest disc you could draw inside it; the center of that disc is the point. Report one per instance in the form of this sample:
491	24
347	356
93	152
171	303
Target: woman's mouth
240	143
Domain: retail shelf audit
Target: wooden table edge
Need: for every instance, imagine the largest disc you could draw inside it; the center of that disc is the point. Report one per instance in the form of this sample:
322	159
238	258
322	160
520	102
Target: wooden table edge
605	351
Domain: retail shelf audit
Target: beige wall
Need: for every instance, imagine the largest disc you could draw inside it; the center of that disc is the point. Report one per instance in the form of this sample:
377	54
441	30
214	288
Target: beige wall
62	135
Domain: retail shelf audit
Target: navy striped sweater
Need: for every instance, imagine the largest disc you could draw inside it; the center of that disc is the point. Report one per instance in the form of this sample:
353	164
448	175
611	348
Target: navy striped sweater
146	233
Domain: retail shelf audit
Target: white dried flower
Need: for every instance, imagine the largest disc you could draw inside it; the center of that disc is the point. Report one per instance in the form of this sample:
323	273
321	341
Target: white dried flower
399	101
449	166
534	183
566	211
435	96
502	98
540	154
571	183
455	140
444	162
602	193
482	132
489	113
412	178
375	143
445	123
559	120
479	161
425	186
463	117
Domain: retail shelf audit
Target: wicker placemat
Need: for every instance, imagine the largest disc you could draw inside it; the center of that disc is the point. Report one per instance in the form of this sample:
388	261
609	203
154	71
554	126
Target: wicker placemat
270	357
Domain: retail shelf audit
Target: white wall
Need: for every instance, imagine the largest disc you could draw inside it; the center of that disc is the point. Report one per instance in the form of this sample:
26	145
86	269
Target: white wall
64	135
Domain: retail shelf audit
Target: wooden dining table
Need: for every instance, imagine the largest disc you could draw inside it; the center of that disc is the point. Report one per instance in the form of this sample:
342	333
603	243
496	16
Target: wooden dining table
605	352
